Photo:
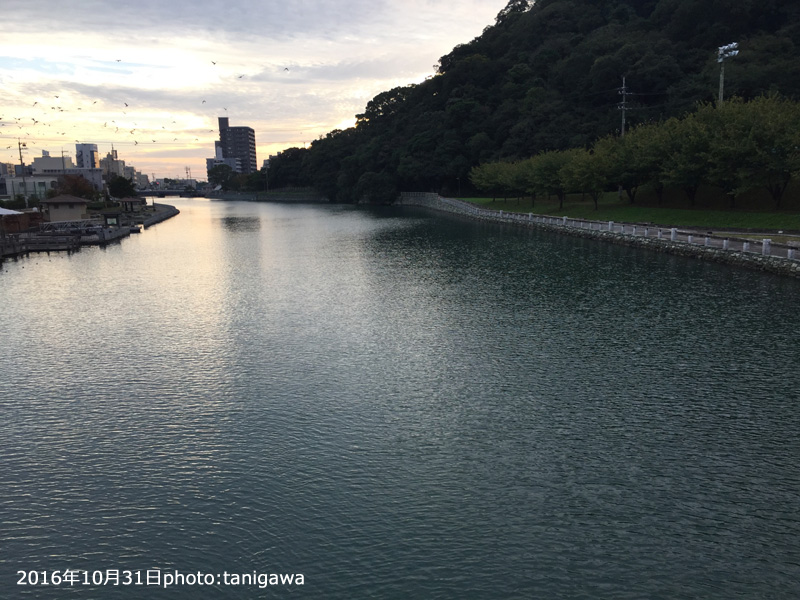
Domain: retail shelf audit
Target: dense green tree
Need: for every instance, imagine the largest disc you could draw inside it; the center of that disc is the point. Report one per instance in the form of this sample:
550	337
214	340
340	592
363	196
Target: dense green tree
586	172
545	174
221	175
546	76
121	187
76	185
376	188
686	165
753	144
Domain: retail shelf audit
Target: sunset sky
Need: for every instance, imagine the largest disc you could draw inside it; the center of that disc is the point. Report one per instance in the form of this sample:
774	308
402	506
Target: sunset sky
290	70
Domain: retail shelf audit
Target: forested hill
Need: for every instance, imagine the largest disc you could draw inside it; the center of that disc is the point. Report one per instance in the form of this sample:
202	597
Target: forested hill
548	75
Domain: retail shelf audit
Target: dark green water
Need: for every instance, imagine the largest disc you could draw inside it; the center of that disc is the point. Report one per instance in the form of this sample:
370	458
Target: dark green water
396	405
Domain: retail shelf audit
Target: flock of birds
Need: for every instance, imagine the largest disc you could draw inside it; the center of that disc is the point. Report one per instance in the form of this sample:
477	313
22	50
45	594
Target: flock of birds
45	127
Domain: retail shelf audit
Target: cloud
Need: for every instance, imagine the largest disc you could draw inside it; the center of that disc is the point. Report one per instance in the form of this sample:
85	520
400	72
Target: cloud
178	65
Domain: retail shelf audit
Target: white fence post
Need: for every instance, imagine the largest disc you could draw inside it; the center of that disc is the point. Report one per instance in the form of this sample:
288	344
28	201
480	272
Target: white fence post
725	244
766	246
790	254
611	226
745	246
673	234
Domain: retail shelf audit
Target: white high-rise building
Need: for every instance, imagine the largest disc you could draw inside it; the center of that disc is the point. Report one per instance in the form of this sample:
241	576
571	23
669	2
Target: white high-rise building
86	156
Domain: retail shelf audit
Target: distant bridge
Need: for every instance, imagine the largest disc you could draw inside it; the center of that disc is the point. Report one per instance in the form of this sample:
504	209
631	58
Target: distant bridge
170	193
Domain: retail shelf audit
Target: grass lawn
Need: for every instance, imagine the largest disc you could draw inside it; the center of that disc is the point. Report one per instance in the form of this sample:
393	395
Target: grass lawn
611	208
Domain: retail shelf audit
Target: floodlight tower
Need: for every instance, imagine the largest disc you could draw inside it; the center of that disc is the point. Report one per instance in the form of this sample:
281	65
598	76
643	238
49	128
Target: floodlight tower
727	51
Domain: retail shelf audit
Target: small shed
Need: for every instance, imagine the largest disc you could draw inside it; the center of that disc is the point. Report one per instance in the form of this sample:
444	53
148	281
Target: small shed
64	208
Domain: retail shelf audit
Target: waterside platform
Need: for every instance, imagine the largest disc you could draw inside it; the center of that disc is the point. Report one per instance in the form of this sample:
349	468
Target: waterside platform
69	237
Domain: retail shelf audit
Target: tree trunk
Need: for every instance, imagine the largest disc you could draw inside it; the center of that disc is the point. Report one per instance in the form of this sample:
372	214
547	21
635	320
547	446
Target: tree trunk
776	190
691	192
660	192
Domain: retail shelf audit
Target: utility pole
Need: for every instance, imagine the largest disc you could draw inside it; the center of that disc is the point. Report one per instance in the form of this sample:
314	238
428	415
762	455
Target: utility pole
22	145
623	105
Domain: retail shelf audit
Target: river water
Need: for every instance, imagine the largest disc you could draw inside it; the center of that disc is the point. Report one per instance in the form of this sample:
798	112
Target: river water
394	404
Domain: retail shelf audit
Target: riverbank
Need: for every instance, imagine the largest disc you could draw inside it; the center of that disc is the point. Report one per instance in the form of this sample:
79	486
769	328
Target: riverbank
765	255
284	195
162	213
71	236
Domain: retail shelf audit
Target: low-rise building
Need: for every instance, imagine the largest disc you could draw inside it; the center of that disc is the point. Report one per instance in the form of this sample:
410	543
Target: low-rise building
43	175
64	208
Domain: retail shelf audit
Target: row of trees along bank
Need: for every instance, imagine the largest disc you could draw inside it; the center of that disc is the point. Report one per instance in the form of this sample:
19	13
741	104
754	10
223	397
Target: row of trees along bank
737	147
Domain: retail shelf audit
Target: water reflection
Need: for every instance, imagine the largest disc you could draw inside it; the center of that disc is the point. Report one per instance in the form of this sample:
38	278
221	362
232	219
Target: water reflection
400	405
241	224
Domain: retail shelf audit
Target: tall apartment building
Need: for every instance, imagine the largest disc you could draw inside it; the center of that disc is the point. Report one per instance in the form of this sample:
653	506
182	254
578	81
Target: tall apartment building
237	142
86	156
112	166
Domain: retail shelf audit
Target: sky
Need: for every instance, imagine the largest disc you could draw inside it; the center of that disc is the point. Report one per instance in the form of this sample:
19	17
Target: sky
151	77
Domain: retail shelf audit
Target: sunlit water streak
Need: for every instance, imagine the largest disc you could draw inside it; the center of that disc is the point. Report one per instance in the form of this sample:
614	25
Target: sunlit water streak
397	405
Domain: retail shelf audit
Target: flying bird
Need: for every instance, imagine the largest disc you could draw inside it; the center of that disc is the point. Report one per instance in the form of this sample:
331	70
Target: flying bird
213	63
125	103
203	102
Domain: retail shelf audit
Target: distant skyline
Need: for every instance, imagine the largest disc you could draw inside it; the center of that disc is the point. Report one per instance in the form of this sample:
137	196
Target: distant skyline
152	78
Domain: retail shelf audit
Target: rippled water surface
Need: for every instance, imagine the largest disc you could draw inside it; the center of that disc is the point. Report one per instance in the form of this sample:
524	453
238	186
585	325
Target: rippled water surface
397	405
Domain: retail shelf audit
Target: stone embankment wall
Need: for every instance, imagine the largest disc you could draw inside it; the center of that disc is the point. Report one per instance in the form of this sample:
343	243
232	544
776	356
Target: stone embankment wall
163	212
764	255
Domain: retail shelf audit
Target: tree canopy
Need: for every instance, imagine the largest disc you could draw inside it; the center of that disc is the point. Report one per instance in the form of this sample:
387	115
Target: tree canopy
121	187
737	147
75	185
547	76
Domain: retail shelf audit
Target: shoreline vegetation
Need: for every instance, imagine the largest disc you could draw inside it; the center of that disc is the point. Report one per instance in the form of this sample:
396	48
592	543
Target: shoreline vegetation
710	212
